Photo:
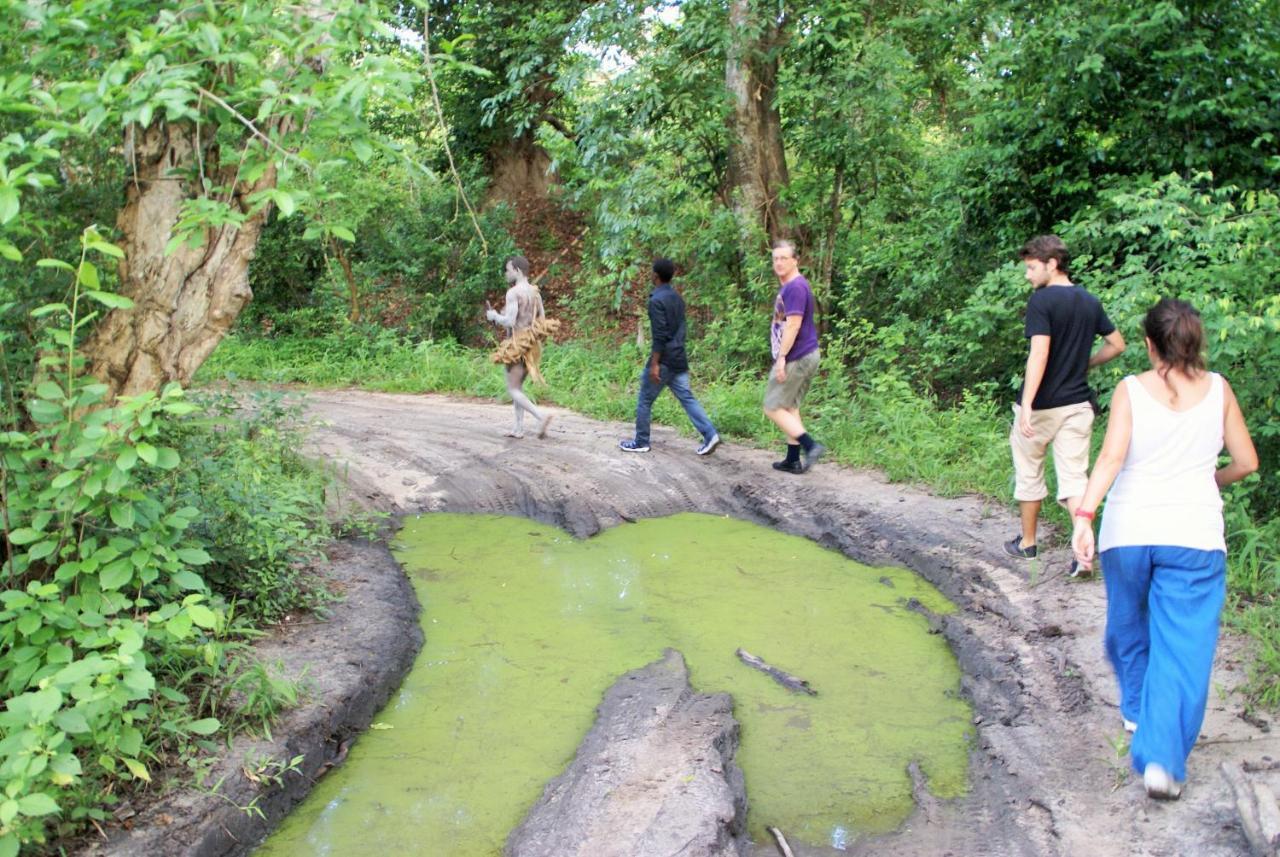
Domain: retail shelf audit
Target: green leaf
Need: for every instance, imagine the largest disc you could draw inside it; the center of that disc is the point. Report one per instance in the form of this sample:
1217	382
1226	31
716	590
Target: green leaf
187	579
110	299
127	459
88	275
7	250
24	536
203	616
363	150
106	249
166	458
71	721
43	411
40	550
49	390
136	768
54	263
122	515
344	233
63	479
146	452
204	727
284	201
179	626
37	804
116	575
29	624
194	556
8	204
8	812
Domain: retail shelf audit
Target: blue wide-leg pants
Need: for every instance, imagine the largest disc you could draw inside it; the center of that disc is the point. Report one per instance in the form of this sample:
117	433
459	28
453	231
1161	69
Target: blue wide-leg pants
1162	628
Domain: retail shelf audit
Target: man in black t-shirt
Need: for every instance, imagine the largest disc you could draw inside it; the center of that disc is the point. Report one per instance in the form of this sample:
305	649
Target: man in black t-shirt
1055	403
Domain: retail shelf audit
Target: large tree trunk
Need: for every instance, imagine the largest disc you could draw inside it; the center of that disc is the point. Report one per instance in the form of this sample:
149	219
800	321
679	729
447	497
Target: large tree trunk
757	160
185	301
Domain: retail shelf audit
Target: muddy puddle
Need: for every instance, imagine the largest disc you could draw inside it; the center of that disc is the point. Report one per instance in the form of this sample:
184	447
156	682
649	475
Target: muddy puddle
526	627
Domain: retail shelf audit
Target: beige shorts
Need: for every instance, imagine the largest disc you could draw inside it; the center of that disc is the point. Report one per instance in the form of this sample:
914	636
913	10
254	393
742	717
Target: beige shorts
1068	429
790	393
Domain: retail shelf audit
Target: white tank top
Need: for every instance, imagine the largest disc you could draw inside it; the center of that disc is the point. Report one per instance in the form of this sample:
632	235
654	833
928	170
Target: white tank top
1165	493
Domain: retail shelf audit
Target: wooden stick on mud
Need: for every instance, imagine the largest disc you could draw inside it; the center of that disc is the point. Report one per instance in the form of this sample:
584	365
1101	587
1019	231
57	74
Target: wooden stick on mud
787	680
782	842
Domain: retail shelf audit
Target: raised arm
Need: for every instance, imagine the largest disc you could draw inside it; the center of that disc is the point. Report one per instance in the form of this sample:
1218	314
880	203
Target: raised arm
506	318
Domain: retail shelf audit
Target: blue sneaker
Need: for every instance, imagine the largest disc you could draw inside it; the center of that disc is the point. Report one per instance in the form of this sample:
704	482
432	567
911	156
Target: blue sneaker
709	445
631	446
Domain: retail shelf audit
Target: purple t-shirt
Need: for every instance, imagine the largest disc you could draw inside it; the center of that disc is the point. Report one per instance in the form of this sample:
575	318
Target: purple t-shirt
795	298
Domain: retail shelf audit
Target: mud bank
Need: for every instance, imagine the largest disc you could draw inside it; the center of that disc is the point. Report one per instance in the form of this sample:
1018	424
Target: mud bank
1046	775
349	665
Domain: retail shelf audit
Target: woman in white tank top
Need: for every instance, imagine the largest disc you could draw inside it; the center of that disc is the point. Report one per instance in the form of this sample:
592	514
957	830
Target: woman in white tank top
1161	543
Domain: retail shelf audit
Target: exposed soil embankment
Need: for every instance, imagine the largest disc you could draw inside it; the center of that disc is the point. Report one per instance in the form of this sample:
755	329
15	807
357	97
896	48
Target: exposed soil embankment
1046	775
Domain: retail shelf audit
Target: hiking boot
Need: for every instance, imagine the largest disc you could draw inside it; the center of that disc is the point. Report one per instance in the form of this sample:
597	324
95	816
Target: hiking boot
1014	547
709	446
1160	783
631	446
789	466
811	457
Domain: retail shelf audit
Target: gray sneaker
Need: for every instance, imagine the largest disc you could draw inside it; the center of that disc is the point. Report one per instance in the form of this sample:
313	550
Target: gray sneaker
709	446
811	457
631	446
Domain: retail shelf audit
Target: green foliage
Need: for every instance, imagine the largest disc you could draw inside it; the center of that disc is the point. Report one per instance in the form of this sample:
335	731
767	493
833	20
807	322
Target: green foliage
262	505
100	574
126	528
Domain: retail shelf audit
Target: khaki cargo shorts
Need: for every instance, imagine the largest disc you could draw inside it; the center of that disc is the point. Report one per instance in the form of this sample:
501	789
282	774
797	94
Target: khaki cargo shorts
1068	429
791	392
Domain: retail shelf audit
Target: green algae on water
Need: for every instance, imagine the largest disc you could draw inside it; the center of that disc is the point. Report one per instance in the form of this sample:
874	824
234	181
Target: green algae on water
526	628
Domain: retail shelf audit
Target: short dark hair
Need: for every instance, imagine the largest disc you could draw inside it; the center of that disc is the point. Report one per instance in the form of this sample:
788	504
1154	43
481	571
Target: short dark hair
520	262
664	268
1042	248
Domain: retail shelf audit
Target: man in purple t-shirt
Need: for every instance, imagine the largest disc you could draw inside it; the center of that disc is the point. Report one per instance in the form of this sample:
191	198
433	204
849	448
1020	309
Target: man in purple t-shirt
795	360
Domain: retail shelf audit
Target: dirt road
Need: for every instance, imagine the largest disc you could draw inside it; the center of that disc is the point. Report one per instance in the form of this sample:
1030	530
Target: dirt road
1046	775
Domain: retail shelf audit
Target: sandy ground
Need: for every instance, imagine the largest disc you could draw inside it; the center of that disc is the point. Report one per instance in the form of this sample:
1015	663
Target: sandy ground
1046	775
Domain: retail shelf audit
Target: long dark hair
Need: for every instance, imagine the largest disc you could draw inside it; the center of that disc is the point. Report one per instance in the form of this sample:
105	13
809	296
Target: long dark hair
1177	335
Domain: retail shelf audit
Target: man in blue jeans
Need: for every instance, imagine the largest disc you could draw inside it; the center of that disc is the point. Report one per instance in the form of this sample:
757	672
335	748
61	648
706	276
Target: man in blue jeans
667	366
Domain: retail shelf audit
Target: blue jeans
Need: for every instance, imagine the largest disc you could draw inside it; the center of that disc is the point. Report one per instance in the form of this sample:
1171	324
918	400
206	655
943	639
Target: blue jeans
679	384
1162	628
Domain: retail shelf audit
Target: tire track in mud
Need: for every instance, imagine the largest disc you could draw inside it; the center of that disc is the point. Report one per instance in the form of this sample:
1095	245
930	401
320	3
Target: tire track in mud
1046	778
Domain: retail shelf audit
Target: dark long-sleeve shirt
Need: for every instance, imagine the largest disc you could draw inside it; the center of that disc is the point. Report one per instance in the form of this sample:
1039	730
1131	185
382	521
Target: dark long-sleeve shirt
666	324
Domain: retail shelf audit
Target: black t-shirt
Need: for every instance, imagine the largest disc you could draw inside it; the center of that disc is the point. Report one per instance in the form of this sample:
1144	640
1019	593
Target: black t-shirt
1071	318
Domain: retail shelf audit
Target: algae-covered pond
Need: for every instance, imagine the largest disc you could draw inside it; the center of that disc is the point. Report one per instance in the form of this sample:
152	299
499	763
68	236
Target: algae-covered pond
526	628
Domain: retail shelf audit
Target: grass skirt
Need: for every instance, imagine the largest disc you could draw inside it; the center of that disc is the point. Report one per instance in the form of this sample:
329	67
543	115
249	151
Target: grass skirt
526	346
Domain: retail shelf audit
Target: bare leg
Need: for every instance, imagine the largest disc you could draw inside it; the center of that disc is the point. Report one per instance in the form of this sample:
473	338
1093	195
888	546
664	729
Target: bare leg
515	389
1030	510
788	420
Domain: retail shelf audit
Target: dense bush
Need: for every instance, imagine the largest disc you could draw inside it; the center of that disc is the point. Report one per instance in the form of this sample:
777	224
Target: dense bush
117	656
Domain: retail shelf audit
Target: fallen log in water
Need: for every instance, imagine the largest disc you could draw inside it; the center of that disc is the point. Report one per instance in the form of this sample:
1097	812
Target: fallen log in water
785	679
